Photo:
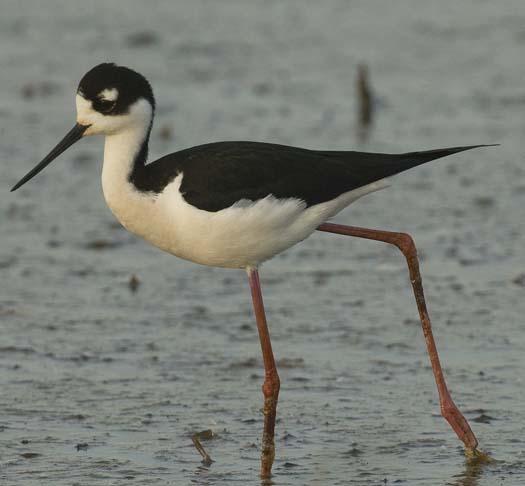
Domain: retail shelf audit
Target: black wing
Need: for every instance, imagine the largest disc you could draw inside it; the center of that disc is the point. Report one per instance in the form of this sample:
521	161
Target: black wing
217	175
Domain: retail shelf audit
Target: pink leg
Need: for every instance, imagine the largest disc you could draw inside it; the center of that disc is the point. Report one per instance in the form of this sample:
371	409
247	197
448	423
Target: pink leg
406	244
271	383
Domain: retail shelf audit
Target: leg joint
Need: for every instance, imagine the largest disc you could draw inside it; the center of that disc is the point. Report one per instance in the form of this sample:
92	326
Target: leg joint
406	244
271	384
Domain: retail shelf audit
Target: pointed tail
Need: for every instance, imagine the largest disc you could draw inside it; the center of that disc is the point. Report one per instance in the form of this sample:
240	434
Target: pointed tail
367	167
413	159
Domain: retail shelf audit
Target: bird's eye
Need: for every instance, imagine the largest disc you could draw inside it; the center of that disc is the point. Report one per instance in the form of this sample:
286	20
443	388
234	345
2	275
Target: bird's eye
105	106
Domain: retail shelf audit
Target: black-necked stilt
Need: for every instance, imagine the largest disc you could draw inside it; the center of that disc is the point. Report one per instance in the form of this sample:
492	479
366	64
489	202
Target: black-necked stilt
237	204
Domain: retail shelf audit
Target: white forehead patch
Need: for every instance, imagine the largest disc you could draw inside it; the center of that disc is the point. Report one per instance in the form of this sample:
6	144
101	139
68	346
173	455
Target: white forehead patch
108	94
84	106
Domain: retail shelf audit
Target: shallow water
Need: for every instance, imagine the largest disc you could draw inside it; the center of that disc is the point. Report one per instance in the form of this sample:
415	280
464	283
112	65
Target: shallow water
104	386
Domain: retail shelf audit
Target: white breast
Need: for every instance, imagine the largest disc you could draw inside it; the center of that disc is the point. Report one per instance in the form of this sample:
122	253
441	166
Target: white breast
242	235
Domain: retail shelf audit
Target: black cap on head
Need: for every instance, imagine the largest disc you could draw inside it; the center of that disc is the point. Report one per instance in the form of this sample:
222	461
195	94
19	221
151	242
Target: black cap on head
129	84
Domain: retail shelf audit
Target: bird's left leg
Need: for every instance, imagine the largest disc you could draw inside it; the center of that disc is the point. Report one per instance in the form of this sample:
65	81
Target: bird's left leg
271	383
405	243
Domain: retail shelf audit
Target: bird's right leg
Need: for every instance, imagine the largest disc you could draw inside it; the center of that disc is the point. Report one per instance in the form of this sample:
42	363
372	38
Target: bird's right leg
405	243
271	383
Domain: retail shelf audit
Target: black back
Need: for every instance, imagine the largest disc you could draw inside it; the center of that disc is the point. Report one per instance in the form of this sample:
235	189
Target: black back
217	175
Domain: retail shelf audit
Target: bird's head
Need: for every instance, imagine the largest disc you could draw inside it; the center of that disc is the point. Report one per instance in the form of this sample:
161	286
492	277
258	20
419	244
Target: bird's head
110	99
113	98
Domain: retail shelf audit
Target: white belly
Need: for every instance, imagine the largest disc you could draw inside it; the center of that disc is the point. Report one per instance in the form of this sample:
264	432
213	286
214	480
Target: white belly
243	235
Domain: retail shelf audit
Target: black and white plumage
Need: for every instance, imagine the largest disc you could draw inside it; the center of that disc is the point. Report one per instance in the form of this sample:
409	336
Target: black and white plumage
228	204
237	204
217	175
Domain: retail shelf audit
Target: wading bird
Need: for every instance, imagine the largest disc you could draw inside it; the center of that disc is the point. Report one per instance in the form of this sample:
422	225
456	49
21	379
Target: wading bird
237	204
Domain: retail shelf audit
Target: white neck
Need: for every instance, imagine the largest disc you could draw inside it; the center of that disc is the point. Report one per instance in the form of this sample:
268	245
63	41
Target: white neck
120	152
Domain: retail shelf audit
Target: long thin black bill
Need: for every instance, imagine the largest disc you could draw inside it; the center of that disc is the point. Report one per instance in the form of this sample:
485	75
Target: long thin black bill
72	136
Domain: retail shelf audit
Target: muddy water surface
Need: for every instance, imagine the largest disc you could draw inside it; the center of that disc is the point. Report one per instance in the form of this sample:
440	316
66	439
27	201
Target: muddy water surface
103	385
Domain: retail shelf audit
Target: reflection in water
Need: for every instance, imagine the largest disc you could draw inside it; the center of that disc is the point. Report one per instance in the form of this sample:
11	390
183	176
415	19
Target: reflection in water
474	468
267	482
203	476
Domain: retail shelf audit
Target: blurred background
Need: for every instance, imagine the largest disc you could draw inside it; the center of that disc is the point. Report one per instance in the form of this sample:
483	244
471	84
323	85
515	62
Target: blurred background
112	354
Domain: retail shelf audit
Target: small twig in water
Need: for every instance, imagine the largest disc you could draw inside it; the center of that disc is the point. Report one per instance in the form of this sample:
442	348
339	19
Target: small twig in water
196	438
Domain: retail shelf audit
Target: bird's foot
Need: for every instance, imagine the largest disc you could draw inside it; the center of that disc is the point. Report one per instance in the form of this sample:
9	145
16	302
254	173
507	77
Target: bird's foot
478	456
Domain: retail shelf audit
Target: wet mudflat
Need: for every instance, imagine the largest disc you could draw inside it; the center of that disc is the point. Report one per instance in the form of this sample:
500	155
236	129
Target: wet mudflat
105	378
